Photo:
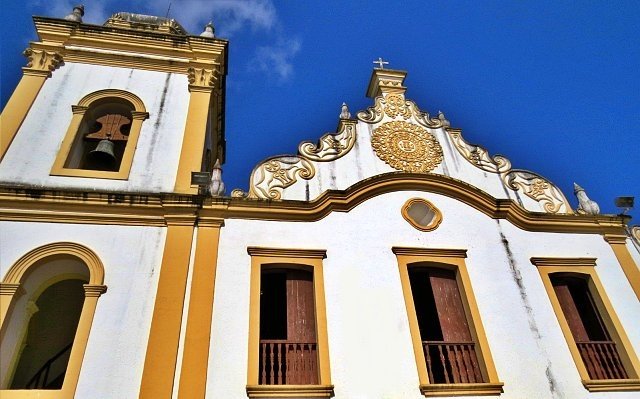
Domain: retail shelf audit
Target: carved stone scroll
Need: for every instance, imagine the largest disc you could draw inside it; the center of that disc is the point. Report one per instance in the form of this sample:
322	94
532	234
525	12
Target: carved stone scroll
395	106
202	77
272	176
331	146
539	189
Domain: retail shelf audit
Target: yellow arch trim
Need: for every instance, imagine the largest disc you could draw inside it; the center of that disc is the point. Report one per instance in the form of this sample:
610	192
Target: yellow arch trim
110	93
17	272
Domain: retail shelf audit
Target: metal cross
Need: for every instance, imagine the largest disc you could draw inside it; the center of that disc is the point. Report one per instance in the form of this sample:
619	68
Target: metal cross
380	62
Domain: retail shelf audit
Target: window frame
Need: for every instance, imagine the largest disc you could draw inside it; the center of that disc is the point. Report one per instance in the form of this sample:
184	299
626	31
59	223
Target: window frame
11	290
138	115
585	268
292	258
450	259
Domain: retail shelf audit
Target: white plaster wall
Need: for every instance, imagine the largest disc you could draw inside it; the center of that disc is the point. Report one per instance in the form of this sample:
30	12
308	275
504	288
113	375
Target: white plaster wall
361	163
369	340
114	359
165	95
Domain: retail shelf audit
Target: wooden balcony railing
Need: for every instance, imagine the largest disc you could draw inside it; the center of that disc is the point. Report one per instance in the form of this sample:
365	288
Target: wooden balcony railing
602	360
452	362
285	362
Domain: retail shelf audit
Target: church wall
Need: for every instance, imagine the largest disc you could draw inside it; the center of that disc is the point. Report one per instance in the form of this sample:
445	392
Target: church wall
370	346
166	97
114	358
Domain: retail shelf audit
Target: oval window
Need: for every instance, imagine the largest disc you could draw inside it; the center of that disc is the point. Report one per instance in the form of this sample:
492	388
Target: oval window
421	214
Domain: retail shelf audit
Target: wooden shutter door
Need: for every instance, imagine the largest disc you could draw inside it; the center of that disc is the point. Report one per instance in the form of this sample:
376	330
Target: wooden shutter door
302	355
457	354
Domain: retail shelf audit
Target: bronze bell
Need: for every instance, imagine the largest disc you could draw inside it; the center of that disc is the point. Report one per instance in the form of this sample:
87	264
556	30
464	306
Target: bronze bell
103	157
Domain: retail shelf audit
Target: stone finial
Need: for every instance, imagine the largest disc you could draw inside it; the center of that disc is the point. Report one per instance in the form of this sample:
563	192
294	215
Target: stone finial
217	185
443	119
209	30
77	14
585	205
344	113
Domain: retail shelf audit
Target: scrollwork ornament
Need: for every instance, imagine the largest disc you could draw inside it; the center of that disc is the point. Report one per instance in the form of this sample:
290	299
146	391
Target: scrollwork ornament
395	106
539	189
405	146
270	178
201	77
331	146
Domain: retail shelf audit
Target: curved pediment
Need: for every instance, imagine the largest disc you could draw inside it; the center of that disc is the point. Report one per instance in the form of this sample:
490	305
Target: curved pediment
394	135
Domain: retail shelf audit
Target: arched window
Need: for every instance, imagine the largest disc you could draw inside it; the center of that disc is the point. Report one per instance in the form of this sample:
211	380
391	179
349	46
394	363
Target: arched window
450	346
596	338
102	136
49	297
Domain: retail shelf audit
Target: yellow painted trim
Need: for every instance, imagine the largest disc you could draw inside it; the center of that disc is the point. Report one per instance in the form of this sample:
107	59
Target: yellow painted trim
193	139
433	224
290	391
73	206
193	377
612	385
480	389
452	259
138	116
164	336
631	270
17	108
93	290
261	257
585	267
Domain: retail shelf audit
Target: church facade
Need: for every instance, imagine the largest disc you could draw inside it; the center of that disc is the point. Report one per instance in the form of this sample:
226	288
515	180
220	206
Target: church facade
389	259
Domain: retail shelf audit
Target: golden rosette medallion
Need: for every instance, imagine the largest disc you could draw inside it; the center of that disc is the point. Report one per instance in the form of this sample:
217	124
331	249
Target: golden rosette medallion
405	146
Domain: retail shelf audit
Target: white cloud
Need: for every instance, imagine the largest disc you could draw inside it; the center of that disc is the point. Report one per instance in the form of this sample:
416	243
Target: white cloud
277	58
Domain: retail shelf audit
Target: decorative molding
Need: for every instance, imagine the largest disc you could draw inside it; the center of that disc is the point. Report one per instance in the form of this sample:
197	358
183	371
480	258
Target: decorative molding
331	146
10	289
41	60
436	252
478	155
615	238
478	389
539	189
22	204
612	385
405	146
290	391
270	178
635	232
568	262
287	252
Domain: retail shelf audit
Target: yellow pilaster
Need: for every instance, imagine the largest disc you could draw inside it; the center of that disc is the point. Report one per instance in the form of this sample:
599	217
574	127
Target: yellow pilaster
18	106
201	83
162	348
631	270
196	346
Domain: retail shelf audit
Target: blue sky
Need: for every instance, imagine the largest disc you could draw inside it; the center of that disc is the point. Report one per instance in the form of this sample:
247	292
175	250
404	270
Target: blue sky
552	85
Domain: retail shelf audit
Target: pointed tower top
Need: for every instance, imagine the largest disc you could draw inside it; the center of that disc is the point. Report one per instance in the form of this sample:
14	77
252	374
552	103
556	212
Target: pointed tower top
344	112
577	188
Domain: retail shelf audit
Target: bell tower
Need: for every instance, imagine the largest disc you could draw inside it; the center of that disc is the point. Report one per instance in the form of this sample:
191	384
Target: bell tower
133	105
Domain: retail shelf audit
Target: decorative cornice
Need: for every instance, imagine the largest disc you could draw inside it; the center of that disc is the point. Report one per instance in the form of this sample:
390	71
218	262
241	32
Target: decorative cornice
433	252
539	261
287	252
469	389
67	206
122	46
632	384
